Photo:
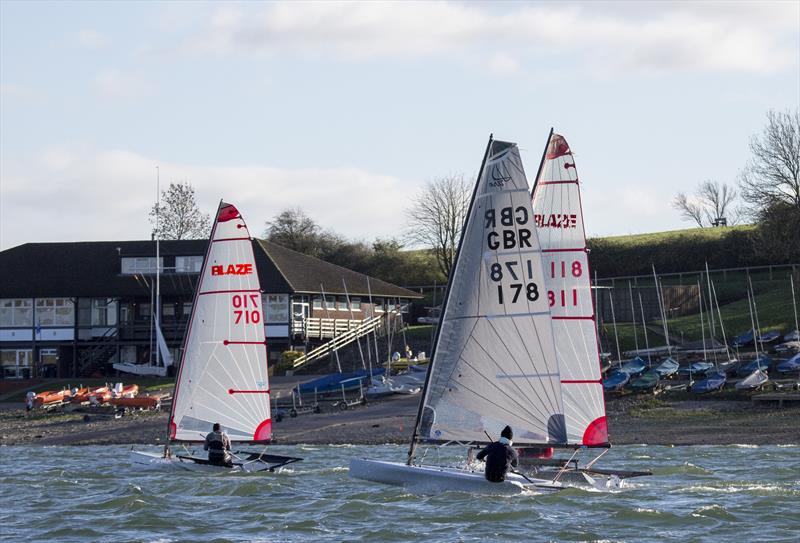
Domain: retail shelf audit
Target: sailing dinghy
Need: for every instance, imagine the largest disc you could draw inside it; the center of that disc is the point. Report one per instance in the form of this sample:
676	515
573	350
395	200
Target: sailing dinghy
494	357
223	372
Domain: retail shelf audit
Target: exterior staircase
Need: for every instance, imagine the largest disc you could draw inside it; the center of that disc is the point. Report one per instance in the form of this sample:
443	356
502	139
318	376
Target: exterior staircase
342	331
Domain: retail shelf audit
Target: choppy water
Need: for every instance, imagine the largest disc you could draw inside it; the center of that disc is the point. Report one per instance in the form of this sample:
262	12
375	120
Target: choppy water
709	493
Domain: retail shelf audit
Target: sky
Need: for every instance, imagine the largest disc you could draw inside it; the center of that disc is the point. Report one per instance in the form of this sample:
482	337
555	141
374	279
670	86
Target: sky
347	109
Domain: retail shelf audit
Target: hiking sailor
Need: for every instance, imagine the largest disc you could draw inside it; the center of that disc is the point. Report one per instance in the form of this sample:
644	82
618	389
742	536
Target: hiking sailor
218	444
500	457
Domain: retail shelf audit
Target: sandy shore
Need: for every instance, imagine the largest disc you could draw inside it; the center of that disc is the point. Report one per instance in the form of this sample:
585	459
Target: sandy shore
664	421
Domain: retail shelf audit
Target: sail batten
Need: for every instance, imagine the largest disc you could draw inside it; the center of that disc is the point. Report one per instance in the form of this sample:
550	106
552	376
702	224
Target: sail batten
223	375
494	360
559	222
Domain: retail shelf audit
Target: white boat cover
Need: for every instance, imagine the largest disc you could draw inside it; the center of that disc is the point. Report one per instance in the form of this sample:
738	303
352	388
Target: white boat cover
559	221
494	361
223	371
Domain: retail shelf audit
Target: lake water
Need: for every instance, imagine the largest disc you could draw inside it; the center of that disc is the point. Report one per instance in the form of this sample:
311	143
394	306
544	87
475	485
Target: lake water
709	493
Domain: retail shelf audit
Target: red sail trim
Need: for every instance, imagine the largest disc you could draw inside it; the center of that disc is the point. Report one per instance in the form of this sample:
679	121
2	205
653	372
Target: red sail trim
263	431
227	213
228	291
230	239
233	391
558	147
558	182
596	433
173	430
229	342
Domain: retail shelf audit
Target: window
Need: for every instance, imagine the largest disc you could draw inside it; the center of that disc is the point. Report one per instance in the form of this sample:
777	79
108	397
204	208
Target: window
341	303
379	305
355	303
405	305
187	309
330	302
188	264
104	312
55	312
392	306
143	311
141	264
16	312
277	308
168	310
317	302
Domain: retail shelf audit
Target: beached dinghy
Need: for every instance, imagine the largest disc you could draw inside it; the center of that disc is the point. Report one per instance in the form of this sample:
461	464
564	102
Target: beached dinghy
645	382
713	381
494	360
790	365
223	373
616	380
666	367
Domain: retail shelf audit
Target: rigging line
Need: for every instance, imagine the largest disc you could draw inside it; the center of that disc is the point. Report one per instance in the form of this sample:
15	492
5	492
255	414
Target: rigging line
511	379
554	399
207	375
495	385
442	380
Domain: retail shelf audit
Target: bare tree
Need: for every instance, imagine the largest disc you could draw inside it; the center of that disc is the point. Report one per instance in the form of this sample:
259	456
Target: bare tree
179	216
712	201
295	230
772	175
437	216
690	211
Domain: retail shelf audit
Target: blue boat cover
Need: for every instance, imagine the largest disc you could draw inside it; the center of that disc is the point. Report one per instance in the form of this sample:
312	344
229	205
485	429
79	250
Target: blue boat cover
743	339
793	364
616	380
696	368
713	381
333	382
762	362
633	366
666	368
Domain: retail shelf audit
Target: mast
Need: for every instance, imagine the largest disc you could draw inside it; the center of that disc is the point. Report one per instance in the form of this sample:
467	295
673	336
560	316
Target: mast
702	327
644	326
752	322
721	323
541	164
661	309
158	261
188	330
794	304
358	338
633	317
325	303
614	320
755	312
374	329
446	300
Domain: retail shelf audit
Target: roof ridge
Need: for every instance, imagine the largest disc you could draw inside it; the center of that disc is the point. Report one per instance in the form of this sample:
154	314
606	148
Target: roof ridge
269	256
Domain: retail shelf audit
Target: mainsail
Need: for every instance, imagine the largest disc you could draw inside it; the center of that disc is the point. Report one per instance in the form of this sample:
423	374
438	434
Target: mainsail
494	359
559	223
223	372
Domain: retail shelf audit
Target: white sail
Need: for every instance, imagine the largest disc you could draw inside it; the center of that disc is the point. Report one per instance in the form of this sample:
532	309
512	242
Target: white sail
559	221
223	371
494	360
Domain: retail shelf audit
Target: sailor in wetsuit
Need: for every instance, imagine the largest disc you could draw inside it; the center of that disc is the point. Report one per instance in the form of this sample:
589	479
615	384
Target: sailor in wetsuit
500	457
218	444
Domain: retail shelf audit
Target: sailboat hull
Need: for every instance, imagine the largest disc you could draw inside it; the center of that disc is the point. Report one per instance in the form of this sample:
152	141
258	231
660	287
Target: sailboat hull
143	459
435	479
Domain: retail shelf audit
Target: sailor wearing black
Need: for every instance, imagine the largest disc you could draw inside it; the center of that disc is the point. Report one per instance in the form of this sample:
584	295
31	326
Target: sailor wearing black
218	444
500	457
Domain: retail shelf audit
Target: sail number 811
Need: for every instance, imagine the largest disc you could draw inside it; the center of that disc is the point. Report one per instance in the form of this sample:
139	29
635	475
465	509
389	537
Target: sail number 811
245	309
531	289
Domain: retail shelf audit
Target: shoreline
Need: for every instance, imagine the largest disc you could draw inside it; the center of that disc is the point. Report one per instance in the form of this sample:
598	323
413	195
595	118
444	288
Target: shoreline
632	420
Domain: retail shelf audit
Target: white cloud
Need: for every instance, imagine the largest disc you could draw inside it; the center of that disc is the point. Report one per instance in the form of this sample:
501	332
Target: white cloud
502	64
91	39
117	84
107	195
743	37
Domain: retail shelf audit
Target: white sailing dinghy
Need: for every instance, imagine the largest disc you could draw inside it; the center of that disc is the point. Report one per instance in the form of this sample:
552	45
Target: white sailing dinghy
223	372
558	215
494	360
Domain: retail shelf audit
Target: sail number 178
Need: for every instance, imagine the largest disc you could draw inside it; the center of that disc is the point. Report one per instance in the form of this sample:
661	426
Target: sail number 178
245	309
513	268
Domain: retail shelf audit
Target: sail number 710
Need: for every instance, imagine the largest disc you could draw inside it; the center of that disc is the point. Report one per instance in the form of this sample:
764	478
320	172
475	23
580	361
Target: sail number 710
496	274
245	309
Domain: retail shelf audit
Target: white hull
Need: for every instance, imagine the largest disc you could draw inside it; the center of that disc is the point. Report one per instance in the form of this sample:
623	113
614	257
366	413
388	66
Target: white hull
142	369
434	479
754	380
157	461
